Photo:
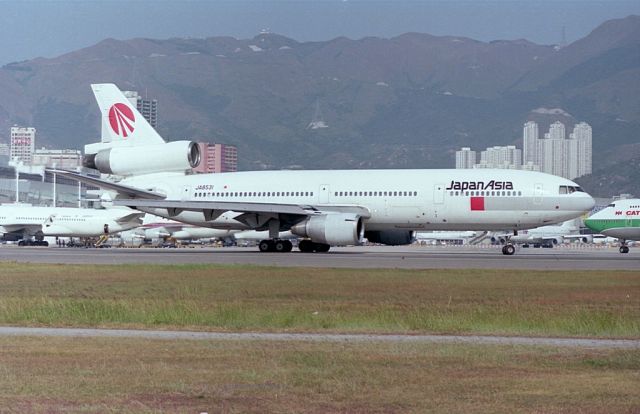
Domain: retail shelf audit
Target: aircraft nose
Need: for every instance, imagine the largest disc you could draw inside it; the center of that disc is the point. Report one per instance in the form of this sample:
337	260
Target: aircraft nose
587	203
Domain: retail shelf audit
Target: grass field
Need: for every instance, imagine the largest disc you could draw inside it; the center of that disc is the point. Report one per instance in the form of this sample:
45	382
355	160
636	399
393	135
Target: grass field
137	376
243	298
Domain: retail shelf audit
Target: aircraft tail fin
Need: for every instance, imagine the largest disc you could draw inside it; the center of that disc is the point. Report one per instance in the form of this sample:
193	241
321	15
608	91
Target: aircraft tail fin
122	124
571	224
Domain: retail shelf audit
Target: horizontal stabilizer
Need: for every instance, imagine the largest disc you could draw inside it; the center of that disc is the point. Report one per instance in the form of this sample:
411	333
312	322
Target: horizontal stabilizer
119	188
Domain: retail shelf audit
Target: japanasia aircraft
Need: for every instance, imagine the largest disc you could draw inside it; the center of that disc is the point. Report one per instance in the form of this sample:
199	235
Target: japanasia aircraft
325	207
619	219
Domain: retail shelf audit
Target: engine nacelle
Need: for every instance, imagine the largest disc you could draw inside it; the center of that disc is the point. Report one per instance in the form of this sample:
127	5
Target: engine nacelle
145	159
557	240
335	229
390	237
587	238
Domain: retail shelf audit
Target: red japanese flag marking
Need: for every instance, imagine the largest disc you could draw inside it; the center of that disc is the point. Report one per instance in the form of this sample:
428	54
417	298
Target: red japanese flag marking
477	203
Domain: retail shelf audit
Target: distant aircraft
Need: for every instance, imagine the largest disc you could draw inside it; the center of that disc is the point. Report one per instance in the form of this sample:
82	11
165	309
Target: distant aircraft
450	236
155	227
619	219
22	222
326	208
549	236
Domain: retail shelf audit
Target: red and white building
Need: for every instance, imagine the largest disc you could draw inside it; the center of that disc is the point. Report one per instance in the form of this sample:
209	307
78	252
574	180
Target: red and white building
217	158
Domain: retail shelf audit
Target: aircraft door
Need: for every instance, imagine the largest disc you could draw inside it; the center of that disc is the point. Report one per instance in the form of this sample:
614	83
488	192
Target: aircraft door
323	194
438	194
537	193
186	193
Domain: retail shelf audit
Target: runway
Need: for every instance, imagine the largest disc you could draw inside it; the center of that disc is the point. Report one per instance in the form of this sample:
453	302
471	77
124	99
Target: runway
405	257
319	337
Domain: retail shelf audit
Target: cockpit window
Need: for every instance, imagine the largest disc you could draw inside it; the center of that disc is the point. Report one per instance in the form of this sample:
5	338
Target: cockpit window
568	189
611	205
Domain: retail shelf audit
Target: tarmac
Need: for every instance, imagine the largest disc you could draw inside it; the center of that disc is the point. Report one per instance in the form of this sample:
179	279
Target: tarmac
405	257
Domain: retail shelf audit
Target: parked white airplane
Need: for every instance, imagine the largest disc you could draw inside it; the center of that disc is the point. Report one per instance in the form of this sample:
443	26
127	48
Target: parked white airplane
23	221
451	236
155	227
619	219
548	236
329	207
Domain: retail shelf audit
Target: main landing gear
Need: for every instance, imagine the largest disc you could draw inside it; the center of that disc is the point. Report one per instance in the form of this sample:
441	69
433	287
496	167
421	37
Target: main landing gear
307	246
42	243
623	247
280	246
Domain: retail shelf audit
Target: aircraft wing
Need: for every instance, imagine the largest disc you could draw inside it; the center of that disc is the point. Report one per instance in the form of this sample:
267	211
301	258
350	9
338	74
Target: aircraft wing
130	217
98	182
21	228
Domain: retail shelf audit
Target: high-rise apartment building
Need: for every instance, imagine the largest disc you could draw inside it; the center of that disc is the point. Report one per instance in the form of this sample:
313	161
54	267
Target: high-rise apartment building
217	158
530	136
465	158
583	135
508	157
147	107
569	158
22	141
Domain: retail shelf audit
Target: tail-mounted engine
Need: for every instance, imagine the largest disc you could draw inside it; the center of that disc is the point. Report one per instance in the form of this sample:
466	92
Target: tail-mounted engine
174	156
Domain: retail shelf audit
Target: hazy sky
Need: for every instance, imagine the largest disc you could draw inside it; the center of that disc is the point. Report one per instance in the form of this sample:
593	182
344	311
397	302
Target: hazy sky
49	28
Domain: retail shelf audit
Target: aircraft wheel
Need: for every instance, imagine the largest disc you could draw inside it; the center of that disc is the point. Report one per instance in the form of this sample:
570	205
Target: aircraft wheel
280	246
508	250
288	246
306	246
624	249
266	246
322	248
21	243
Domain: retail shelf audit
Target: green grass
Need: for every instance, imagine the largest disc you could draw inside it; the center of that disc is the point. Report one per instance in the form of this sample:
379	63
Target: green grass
208	297
142	376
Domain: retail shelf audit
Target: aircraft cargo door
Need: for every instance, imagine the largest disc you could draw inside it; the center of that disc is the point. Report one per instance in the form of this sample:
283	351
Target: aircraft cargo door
323	194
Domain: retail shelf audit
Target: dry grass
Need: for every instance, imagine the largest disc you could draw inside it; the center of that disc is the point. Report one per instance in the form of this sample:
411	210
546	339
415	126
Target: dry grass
125	375
208	297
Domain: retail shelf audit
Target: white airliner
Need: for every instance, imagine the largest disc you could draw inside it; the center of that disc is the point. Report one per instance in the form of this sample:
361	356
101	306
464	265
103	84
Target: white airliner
155	227
619	219
445	236
327	207
548	236
22	222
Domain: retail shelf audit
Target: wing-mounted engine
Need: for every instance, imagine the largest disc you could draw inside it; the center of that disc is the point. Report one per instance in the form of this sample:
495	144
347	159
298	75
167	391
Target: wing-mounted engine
390	237
335	229
124	160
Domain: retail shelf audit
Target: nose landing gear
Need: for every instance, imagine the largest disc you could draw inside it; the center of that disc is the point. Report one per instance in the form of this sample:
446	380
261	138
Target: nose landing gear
508	249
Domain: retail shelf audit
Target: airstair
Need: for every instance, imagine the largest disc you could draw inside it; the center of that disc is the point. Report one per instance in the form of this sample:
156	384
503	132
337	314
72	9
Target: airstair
479	238
102	240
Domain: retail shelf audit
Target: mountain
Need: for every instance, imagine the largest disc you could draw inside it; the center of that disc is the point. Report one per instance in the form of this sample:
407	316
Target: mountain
408	101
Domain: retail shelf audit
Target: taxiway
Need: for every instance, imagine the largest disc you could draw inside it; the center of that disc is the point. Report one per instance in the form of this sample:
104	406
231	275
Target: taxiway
407	257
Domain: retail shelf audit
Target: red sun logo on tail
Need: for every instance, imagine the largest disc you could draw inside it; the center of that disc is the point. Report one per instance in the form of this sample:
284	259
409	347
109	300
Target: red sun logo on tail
121	119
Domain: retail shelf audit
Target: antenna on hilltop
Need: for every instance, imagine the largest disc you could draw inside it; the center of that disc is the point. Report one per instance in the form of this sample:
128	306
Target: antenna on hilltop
317	122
